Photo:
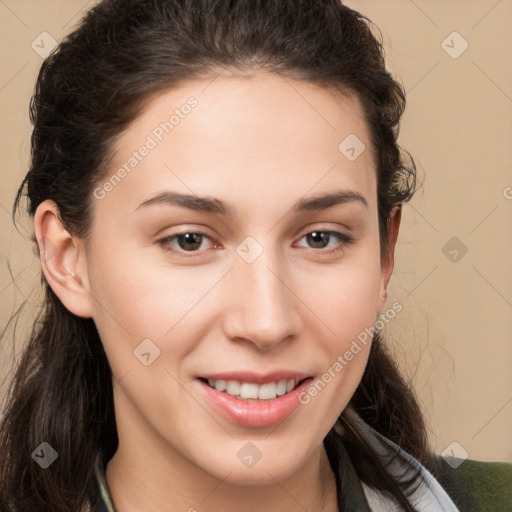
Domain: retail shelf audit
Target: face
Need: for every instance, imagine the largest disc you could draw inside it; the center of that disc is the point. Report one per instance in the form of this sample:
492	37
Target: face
255	284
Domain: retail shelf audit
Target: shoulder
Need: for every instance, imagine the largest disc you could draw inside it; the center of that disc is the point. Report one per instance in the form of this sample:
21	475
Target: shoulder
474	484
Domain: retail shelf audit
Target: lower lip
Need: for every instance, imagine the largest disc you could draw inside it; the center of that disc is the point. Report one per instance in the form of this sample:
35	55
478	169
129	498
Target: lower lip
252	413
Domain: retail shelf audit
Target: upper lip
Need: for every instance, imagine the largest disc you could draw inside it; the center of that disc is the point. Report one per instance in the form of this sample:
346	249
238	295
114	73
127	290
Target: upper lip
258	378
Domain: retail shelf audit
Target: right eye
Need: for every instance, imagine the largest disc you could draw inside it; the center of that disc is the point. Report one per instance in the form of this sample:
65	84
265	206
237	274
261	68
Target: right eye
187	242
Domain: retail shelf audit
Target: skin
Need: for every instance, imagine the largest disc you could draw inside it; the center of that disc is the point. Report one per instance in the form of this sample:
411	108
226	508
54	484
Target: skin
259	143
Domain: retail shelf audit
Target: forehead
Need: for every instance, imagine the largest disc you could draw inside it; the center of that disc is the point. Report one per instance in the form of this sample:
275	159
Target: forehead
239	136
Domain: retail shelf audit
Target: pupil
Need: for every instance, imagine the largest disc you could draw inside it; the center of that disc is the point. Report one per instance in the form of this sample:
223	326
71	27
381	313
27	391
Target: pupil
318	237
189	239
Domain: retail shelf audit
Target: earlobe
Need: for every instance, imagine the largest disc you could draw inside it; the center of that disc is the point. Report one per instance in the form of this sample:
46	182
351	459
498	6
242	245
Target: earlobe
62	260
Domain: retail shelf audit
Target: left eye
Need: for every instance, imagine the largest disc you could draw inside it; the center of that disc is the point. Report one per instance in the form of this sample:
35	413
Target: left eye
191	241
319	237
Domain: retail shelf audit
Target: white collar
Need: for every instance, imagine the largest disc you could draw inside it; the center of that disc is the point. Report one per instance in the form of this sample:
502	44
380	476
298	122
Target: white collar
428	497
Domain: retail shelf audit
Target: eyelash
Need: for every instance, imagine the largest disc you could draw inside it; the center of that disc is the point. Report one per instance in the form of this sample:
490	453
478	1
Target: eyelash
345	241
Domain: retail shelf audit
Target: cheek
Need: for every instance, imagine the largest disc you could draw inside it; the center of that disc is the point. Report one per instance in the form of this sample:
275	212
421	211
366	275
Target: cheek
346	298
346	306
143	297
349	311
135	301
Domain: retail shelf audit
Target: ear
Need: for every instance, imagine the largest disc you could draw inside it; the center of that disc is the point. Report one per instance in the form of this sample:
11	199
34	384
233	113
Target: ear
388	260
63	260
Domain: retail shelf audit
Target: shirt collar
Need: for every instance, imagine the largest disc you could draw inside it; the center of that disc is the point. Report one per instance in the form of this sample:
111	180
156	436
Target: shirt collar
100	499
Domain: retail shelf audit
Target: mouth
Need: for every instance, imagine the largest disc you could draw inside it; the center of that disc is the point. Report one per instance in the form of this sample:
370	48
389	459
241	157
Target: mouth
252	404
252	391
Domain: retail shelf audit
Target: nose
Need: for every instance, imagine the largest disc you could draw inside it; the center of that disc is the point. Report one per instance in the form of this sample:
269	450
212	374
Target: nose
262	306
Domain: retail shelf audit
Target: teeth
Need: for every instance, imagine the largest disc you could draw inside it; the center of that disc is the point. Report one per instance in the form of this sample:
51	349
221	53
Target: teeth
267	391
249	390
281	388
219	385
233	387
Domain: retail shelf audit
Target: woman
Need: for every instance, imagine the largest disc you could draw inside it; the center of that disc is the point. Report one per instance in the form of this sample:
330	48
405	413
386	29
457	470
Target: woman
245	371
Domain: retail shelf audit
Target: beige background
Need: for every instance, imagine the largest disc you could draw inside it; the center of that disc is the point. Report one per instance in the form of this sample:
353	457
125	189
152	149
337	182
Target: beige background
453	337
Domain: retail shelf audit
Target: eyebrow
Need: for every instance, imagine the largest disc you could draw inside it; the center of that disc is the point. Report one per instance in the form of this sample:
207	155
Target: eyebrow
214	205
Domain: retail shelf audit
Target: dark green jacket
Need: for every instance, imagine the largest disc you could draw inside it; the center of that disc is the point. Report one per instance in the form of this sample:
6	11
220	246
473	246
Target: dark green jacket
476	485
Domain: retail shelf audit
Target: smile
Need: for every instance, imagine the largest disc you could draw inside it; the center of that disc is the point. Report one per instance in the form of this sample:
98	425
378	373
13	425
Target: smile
253	405
251	390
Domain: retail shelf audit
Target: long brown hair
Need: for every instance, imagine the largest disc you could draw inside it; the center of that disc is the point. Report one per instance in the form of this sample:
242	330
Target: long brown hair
88	91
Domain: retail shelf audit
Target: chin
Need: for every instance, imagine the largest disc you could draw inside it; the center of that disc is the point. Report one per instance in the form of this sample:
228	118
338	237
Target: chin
266	466
260	474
